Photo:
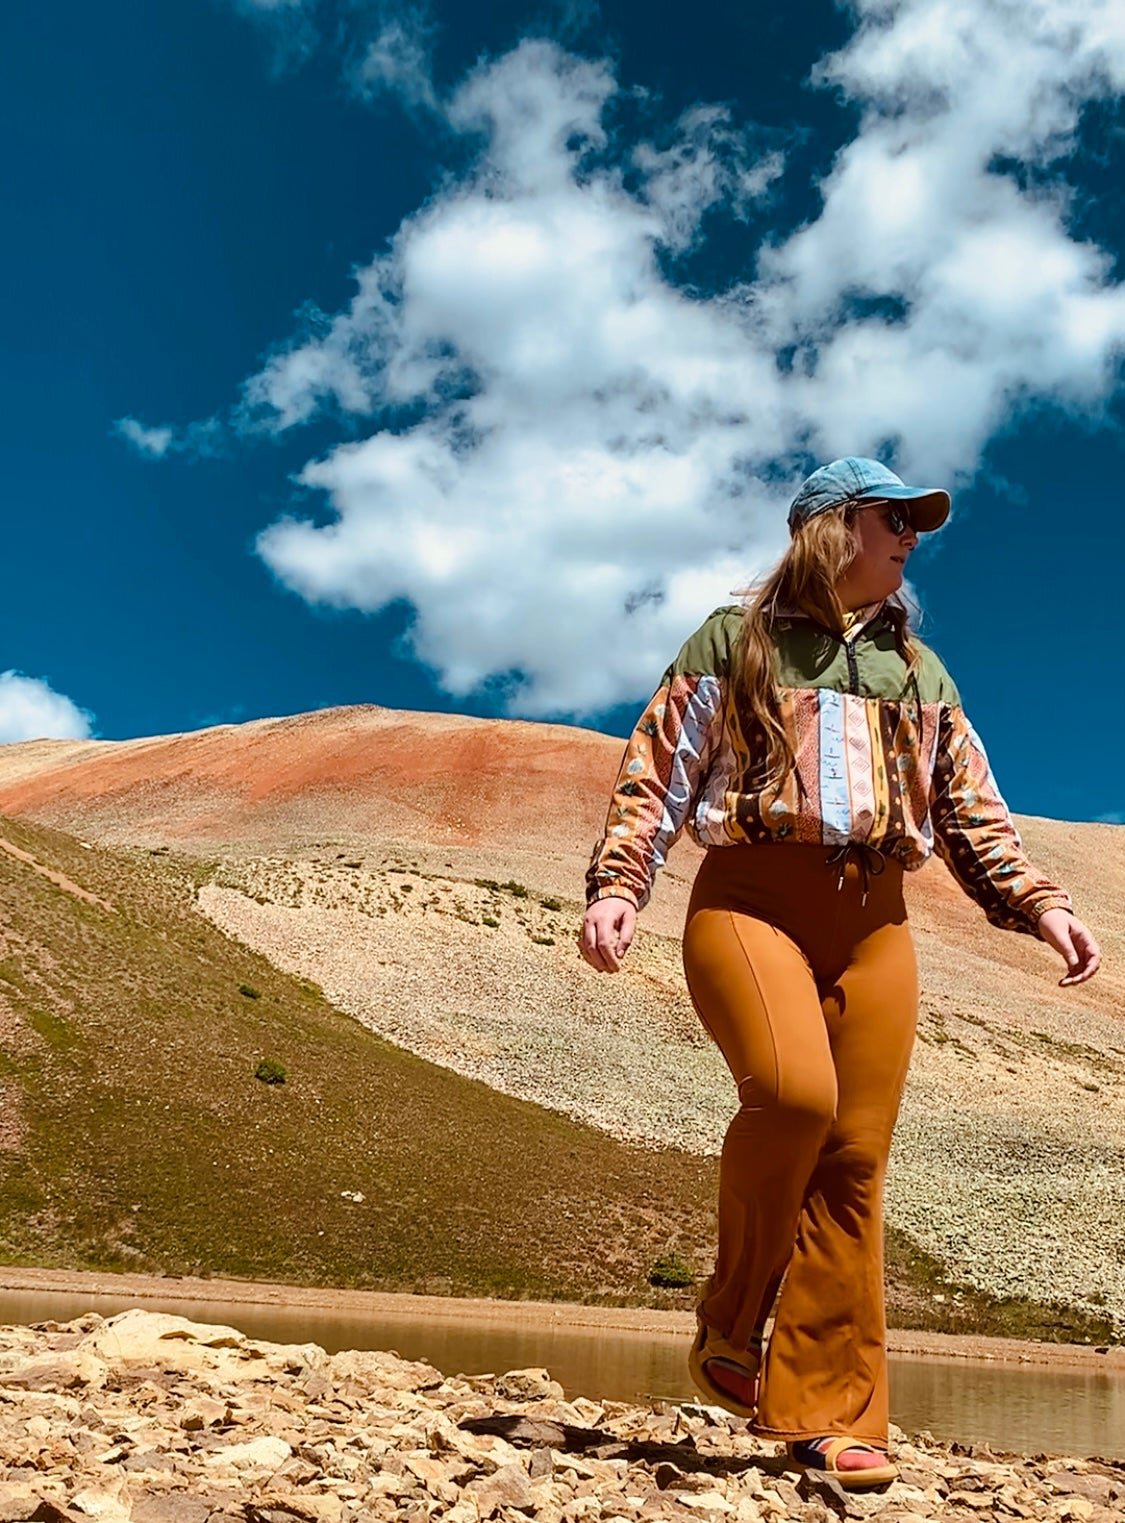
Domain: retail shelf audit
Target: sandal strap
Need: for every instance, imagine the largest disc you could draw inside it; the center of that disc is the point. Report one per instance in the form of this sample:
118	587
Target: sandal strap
748	1360
840	1445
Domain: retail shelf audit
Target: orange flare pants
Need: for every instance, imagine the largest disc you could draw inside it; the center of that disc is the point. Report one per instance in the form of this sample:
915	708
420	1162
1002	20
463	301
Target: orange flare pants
811	995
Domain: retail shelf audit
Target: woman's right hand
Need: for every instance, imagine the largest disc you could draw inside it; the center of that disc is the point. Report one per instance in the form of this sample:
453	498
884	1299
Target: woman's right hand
607	931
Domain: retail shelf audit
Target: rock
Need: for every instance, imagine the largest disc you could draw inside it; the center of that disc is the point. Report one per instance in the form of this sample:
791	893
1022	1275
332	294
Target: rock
541	1463
788	1492
706	1501
257	1454
148	1338
1079	1508
56	1372
102	1506
669	1477
909	1475
173	1507
325	1508
440	1479
529	1385
287	1507
1102	1489
204	1412
147	1460
373	1371
825	1489
509	1486
18	1501
50	1511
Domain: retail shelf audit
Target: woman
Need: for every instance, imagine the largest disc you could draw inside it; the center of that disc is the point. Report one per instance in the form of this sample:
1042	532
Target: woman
817	748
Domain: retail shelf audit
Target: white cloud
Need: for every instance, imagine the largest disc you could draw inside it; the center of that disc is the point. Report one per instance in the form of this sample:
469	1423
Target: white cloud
1000	301
573	456
399	60
290	25
206	436
153	442
30	709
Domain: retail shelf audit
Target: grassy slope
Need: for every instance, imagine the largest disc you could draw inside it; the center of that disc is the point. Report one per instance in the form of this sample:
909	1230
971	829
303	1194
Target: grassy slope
150	1145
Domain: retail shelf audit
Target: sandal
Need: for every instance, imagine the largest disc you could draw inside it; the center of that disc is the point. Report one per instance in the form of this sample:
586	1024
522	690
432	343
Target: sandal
708	1349
820	1456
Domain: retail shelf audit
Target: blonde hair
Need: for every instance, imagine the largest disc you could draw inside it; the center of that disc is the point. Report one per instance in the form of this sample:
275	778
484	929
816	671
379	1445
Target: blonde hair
805	581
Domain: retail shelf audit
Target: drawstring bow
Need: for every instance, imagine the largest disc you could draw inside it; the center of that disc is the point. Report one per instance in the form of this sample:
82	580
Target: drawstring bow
870	859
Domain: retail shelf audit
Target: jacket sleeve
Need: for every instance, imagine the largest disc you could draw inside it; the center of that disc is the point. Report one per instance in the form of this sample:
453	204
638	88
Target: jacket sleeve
662	772
976	836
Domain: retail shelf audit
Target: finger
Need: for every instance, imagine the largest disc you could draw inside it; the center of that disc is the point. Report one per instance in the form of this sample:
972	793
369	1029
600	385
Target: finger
588	945
596	944
625	932
1084	957
1069	955
1089	960
607	947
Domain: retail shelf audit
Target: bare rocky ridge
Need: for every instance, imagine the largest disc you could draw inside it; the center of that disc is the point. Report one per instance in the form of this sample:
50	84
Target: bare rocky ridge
357	847
146	1418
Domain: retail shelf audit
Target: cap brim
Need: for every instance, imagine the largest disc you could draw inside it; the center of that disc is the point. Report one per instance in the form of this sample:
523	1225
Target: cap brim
929	506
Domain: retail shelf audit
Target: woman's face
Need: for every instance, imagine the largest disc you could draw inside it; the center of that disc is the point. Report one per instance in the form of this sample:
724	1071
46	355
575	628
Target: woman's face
881	554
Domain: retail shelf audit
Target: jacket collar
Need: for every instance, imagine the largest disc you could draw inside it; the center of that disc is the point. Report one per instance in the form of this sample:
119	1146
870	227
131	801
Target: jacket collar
861	619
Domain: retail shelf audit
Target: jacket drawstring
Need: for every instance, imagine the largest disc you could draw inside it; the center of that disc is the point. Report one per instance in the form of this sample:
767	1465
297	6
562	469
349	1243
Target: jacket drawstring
870	859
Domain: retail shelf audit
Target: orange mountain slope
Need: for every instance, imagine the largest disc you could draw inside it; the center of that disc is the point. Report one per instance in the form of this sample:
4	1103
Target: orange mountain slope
369	776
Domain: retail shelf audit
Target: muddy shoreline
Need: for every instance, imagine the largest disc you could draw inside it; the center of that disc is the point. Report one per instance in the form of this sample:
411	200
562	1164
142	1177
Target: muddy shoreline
487	1310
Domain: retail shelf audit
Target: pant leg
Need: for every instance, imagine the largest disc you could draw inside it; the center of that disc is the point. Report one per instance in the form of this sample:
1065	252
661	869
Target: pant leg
826	1368
756	994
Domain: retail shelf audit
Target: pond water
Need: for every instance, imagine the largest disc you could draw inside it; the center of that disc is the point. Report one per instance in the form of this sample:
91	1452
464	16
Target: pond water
1027	1409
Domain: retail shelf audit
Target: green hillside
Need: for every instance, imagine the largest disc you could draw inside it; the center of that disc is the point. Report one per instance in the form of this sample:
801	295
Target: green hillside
134	1133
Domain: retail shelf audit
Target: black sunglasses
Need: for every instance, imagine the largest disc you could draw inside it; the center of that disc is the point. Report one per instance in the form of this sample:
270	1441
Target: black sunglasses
896	518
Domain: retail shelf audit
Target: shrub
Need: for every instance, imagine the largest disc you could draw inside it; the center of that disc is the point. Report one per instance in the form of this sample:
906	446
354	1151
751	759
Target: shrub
550	904
270	1071
489	920
543	941
671	1272
249	991
516	890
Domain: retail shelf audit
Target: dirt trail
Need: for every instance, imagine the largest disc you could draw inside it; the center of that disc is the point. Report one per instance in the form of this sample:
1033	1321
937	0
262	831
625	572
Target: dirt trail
58	879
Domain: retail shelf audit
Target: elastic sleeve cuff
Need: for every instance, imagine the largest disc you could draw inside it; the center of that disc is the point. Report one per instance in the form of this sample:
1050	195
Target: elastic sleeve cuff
614	891
1054	902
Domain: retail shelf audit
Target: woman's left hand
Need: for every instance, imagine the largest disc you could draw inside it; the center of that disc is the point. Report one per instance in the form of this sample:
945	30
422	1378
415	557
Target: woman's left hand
1073	942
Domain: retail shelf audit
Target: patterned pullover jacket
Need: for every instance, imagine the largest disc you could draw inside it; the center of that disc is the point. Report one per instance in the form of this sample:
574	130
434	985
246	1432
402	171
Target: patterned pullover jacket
882	757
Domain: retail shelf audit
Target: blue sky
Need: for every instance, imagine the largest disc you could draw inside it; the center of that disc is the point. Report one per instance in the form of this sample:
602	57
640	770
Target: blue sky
464	357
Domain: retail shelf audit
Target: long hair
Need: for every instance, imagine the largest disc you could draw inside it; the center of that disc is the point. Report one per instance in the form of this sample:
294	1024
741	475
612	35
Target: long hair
804	581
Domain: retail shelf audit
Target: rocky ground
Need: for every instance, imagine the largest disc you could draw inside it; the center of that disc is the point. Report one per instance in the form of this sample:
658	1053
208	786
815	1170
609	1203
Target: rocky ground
145	1418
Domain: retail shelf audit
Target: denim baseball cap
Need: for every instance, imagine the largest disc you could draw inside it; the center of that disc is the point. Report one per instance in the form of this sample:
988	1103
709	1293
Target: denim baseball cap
855	479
